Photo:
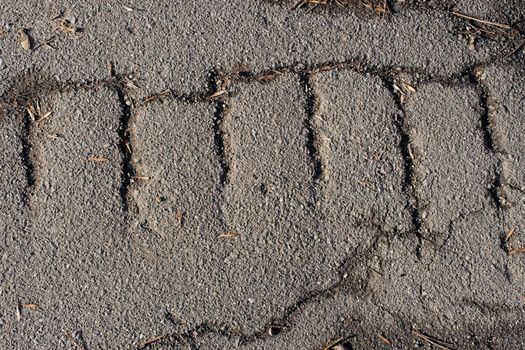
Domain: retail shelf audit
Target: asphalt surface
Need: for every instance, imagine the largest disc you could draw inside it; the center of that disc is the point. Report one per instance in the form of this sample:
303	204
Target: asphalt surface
254	175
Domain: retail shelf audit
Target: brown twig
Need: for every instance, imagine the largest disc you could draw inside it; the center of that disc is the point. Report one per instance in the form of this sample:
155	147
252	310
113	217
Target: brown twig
479	20
432	340
517	48
151	340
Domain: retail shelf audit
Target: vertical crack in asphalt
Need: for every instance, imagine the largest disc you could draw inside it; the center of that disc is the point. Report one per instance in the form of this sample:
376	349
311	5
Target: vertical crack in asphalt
400	121
27	159
495	190
220	141
125	144
214	84
312	134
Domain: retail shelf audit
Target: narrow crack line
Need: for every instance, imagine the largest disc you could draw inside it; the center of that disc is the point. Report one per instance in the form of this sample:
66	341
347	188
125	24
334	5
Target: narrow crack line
24	86
125	142
343	284
484	103
247	338
27	159
220	139
410	176
219	135
312	133
489	140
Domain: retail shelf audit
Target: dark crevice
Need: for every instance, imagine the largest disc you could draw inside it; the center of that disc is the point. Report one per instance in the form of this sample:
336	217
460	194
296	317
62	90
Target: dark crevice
39	87
353	279
312	140
401	123
214	85
190	336
27	159
489	141
125	145
485	118
495	191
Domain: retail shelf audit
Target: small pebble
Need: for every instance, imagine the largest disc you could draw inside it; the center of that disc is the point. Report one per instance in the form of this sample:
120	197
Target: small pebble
2	64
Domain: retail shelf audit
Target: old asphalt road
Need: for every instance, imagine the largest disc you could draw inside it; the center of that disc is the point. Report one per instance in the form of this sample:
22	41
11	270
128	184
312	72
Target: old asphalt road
256	175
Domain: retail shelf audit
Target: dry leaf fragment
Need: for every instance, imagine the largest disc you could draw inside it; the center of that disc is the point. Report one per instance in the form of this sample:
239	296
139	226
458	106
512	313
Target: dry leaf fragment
218	93
516	251
385	340
24	40
410	152
31	306
267	77
98	159
229	235
45	116
509	234
409	87
18	311
31	111
180	217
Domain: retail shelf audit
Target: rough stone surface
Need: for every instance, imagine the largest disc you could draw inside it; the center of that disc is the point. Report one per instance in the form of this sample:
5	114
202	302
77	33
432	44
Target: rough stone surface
280	252
12	218
159	40
213	170
450	156
363	168
503	84
177	193
74	234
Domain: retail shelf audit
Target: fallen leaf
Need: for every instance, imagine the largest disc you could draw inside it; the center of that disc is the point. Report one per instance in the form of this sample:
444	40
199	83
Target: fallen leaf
516	251
385	340
31	306
218	93
18	311
24	40
509	234
98	159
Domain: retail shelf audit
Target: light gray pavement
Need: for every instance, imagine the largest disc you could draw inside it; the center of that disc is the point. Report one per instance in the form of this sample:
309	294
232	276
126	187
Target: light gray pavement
247	176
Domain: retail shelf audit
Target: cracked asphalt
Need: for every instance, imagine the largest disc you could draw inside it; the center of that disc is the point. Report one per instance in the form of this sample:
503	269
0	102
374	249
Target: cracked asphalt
262	175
